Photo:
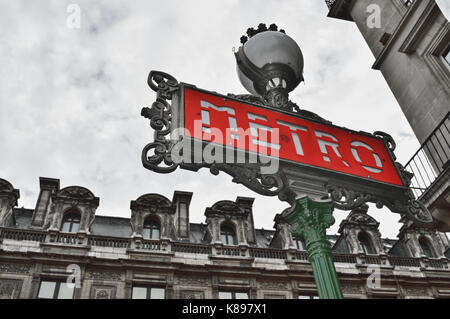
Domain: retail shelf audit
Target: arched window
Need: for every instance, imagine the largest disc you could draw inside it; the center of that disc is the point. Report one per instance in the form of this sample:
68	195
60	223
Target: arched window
227	235
426	248
299	242
71	223
365	243
151	229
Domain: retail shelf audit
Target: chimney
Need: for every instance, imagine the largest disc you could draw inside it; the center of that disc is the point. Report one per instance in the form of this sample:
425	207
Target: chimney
181	201
49	186
246	203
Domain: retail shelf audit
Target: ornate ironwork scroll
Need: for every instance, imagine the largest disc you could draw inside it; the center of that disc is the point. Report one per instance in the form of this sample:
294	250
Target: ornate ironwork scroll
291	107
345	198
160	116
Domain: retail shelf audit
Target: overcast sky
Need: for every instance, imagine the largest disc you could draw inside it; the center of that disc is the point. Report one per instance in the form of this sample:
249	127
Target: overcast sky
71	98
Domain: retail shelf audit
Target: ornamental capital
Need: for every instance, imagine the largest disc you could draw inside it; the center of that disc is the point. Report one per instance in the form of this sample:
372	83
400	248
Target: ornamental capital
310	216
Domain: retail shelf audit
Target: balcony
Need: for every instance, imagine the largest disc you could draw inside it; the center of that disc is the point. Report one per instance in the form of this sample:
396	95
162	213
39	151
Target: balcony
123	246
431	168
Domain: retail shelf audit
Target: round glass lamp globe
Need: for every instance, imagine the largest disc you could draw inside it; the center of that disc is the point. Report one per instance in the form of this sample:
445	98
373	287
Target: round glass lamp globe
272	47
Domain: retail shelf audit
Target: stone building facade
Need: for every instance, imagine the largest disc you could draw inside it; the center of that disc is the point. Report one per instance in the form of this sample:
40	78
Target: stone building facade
410	42
158	253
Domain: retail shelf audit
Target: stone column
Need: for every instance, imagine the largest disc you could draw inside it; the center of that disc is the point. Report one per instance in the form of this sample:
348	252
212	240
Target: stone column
310	219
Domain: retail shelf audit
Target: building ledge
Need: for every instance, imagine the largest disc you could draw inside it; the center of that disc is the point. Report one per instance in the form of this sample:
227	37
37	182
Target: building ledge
340	9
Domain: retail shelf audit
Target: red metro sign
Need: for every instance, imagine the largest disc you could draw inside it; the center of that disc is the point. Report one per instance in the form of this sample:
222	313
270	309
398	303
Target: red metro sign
222	120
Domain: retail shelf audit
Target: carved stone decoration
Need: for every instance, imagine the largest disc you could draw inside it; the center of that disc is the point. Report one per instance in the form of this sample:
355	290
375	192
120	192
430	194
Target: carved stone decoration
8	199
416	291
192	281
103	292
192	294
5	186
226	207
10	288
105	275
76	192
15	268
352	289
273	285
285	232
363	219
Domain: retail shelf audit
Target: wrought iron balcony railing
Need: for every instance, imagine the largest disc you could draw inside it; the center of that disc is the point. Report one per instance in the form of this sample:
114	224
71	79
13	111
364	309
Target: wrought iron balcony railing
431	159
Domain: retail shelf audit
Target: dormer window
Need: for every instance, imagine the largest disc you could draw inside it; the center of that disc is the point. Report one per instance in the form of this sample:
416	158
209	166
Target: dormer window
227	235
426	248
366	244
299	243
151	229
71	222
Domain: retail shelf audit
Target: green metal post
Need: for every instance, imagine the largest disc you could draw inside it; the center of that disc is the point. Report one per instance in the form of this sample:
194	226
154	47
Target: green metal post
310	220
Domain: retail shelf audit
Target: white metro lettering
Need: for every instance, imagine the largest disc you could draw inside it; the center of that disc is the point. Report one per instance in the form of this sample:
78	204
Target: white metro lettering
254	130
323	146
358	159
206	121
295	137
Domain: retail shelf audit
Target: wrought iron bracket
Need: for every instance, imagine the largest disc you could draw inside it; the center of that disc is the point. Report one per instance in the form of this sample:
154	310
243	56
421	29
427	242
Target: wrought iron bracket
156	156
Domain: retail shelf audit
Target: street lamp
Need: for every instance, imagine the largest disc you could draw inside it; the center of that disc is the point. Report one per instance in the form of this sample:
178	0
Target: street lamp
269	64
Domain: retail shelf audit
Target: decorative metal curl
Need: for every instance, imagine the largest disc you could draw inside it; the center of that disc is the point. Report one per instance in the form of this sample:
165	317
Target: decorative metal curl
162	83
404	174
162	153
346	199
291	107
160	116
250	176
417	212
388	141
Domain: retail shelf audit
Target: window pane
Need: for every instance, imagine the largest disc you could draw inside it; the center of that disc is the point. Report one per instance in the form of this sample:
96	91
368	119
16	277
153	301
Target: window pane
241	295
230	240
139	293
65	227
155	234
158	293
47	289
75	227
224	239
146	233
225	295
65	292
